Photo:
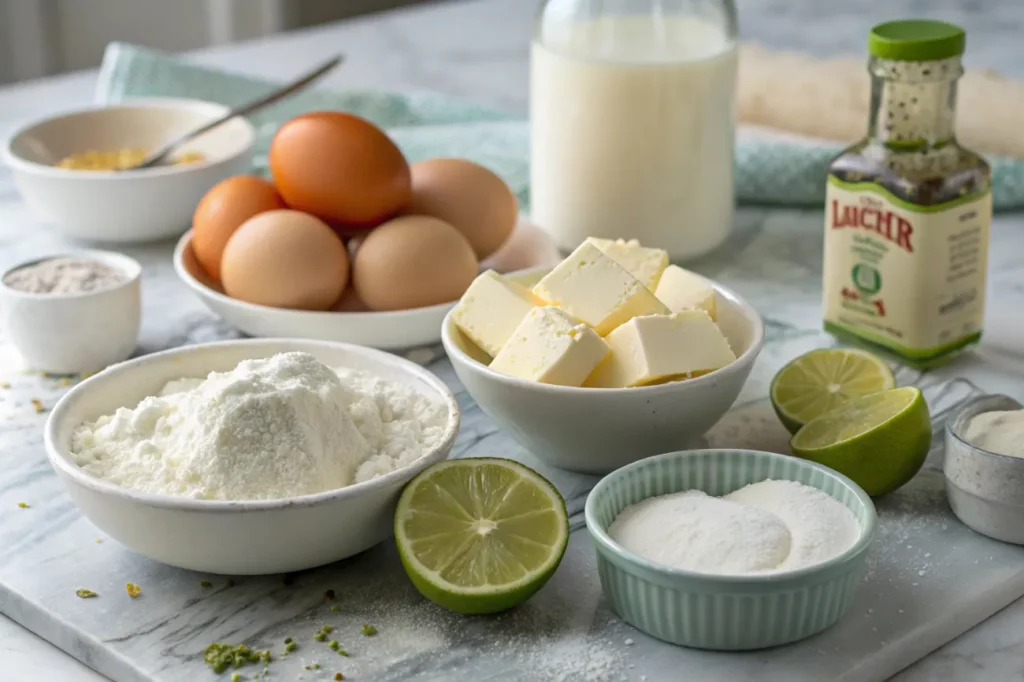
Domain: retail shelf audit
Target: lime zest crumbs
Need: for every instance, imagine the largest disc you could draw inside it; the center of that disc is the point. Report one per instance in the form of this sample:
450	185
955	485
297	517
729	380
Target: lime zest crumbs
369	630
85	594
220	657
24	505
133	590
205	583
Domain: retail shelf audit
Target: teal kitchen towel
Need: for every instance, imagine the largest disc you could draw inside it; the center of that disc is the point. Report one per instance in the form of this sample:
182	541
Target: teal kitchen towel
775	170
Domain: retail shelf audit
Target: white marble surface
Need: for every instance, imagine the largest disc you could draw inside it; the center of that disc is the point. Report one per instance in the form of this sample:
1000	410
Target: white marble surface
478	49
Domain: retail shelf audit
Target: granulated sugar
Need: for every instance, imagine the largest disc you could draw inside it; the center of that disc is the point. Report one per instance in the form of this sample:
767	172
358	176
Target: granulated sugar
763	527
563	634
910	514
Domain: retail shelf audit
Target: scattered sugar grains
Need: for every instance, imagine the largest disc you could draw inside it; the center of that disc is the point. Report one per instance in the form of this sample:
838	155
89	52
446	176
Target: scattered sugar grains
270	428
763	527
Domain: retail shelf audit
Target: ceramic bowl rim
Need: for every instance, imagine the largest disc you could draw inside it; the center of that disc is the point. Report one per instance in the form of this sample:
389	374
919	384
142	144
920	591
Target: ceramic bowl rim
125	264
953	426
185	242
19	163
61	460
677	575
747	357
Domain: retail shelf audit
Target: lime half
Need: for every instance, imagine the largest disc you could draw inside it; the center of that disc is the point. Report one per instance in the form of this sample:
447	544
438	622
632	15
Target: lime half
880	440
480	535
822	380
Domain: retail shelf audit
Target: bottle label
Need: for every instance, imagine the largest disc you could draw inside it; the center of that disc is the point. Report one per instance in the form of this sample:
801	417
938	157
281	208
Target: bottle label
909	278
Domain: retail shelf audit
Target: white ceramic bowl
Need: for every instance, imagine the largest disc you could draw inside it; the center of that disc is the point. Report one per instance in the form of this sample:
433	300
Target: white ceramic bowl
236	538
132	206
598	430
73	333
391	330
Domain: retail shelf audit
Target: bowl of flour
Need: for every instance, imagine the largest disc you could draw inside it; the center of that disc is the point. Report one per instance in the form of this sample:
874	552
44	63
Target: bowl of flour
250	457
729	549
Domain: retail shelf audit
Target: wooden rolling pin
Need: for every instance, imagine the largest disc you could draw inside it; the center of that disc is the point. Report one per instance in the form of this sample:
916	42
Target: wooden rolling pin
829	99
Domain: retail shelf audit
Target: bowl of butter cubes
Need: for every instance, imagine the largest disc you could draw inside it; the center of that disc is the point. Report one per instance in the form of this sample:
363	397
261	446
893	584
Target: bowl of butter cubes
611	356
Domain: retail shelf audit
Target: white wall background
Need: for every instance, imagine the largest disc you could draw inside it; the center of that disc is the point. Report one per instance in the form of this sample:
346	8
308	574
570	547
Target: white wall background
42	37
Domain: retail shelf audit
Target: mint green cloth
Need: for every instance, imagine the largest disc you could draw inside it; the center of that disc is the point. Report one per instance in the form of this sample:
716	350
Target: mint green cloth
427	125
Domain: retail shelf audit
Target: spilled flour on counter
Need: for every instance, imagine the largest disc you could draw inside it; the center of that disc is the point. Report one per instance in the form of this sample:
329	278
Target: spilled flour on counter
763	527
268	429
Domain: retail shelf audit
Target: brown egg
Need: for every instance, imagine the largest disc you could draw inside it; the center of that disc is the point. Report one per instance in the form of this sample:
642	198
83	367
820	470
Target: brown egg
467	196
222	210
411	262
339	167
285	259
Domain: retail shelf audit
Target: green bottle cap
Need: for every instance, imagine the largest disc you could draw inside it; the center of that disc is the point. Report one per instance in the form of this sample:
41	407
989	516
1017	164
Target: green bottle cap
916	40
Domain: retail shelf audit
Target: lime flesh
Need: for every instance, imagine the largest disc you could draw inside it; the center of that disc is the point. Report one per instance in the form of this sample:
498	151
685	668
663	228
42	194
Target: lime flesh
822	380
880	440
480	535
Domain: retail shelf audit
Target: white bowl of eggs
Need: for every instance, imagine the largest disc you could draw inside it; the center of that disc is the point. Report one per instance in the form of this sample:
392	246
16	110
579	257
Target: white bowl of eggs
356	245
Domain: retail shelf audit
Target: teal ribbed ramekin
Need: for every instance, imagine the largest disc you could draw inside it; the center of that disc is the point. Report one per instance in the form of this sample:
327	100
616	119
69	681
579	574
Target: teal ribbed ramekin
724	612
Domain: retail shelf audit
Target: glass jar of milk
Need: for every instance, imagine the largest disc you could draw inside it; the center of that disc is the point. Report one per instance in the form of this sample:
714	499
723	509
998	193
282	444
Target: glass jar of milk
632	128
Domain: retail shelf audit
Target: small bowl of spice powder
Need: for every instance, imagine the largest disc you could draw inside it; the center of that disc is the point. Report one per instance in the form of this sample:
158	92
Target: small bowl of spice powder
72	313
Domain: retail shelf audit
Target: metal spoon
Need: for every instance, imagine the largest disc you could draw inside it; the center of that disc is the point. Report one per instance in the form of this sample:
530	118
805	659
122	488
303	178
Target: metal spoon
156	157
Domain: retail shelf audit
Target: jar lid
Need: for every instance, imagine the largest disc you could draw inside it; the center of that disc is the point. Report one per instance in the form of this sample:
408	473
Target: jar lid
916	40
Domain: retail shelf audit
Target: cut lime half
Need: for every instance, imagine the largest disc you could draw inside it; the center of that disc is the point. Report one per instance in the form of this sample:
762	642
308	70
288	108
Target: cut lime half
480	535
824	379
880	440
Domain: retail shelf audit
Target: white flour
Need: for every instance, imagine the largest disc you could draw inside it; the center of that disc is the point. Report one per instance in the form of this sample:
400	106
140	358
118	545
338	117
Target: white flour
764	527
268	429
999	432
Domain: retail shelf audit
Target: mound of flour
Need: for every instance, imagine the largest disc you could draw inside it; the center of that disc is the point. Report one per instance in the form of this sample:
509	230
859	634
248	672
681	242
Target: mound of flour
270	428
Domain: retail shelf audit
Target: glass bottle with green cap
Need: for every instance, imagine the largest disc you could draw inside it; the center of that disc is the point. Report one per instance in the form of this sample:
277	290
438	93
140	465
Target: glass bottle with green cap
908	209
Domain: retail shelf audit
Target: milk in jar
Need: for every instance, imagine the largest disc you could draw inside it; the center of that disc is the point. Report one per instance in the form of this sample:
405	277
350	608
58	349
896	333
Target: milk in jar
632	127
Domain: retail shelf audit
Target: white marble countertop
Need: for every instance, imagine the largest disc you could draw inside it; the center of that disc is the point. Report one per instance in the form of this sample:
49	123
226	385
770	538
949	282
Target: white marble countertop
478	50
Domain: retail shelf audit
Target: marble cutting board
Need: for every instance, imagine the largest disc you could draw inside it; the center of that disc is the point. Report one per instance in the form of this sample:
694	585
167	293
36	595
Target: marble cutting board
929	579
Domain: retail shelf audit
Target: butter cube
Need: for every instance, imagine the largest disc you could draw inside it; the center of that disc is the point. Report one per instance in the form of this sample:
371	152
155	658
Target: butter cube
598	291
491	309
681	290
643	263
551	347
660	348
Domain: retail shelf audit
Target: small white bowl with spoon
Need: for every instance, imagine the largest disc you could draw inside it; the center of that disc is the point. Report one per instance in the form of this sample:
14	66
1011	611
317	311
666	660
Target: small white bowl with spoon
110	206
154	198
